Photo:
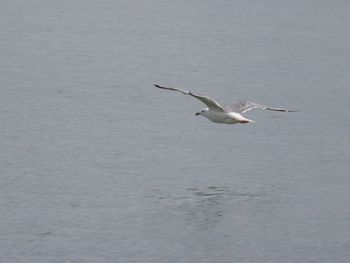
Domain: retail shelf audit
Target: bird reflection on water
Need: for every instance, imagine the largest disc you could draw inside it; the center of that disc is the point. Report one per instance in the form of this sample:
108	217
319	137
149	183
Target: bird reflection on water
212	203
205	207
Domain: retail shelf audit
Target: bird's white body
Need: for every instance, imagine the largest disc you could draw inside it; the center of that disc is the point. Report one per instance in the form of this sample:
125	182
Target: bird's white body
224	117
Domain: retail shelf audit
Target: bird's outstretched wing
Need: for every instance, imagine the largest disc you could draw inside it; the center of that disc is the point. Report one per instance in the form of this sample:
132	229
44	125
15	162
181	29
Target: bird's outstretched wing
242	107
212	104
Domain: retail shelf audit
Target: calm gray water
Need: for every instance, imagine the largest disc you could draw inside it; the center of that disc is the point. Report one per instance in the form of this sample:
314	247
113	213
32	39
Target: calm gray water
97	165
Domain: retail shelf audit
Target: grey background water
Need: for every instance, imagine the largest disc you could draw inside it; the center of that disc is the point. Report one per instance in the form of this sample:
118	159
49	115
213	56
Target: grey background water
97	165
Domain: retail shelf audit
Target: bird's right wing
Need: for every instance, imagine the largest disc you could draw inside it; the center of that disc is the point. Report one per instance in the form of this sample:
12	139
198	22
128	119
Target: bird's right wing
211	104
242	107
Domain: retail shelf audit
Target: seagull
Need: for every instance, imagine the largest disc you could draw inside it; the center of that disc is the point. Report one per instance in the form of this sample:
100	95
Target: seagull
228	114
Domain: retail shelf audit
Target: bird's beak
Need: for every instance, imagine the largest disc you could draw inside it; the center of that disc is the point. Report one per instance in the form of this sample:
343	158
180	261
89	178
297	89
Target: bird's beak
198	113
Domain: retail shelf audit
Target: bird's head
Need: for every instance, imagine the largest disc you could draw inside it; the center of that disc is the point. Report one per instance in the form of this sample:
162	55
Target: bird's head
201	112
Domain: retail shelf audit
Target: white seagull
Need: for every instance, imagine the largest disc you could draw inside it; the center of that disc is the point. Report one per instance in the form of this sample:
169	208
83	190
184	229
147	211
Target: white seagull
228	114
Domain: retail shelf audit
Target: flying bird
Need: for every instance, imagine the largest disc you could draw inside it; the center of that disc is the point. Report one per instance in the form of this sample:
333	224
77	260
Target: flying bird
227	114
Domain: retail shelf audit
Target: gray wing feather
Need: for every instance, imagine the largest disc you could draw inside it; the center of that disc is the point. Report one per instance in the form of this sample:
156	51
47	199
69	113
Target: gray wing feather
242	107
211	104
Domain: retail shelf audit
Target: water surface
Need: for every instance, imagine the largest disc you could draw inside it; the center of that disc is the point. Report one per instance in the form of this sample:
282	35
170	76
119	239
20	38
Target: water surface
99	166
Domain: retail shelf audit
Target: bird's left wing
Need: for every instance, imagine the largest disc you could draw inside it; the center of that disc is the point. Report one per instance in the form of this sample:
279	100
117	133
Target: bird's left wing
212	104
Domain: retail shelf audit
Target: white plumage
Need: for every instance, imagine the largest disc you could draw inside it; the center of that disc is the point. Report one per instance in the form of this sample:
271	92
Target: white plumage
228	114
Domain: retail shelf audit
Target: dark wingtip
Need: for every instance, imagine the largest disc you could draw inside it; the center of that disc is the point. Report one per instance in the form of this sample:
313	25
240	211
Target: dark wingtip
282	110
156	85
